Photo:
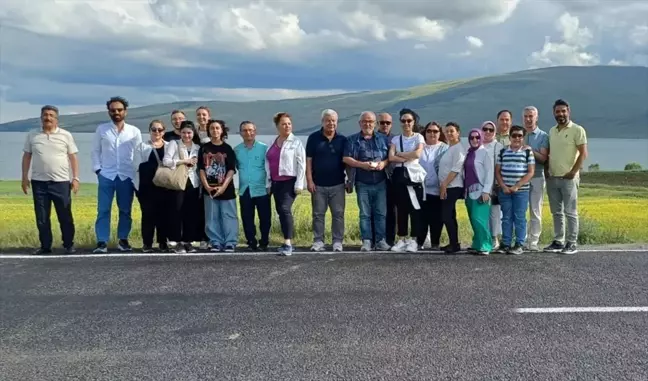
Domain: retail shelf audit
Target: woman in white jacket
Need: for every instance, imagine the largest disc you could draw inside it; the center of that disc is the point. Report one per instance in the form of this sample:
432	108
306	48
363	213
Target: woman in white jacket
187	213
286	174
152	199
478	181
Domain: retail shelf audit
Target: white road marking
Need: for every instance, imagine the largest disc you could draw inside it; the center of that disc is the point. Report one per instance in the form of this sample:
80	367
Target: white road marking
273	253
556	310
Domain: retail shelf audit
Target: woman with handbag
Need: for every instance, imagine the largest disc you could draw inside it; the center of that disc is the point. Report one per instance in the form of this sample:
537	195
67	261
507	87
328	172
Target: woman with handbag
451	184
494	147
434	149
406	148
152	198
478	182
187	215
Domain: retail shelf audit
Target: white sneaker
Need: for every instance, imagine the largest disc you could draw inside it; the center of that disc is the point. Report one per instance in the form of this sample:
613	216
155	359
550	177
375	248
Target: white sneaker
204	245
366	245
399	246
382	246
411	246
337	246
318	246
427	244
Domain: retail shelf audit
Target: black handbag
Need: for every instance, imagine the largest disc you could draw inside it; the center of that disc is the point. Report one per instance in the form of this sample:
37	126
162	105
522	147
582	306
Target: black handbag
400	175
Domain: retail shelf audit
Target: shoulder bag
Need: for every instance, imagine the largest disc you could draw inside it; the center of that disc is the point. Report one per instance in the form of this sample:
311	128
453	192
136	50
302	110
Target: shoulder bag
174	179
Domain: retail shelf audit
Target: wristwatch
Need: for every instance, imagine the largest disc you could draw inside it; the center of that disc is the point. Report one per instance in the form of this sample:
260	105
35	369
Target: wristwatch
76	178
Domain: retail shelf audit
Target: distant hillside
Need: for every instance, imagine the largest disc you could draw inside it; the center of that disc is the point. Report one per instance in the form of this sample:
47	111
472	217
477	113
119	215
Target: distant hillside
609	101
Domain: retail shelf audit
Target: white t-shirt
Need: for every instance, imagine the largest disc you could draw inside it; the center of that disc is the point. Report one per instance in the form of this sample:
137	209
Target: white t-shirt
409	143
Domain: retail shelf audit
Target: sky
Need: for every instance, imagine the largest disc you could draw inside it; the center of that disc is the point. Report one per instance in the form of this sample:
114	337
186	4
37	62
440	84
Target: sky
78	53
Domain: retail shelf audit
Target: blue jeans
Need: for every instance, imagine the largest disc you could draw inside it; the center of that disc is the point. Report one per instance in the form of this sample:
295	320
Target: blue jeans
105	194
514	207
221	222
372	201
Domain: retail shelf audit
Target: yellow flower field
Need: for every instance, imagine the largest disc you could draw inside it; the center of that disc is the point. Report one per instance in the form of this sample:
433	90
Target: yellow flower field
607	216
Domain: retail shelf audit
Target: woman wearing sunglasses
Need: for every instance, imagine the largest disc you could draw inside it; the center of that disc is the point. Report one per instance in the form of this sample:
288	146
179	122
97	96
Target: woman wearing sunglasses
152	199
478	181
494	147
434	149
404	152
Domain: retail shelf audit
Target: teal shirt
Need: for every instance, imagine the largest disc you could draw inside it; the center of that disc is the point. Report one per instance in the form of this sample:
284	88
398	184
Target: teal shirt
250	163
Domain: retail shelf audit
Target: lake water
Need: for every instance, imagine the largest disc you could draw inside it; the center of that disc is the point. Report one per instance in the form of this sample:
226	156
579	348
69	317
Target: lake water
610	154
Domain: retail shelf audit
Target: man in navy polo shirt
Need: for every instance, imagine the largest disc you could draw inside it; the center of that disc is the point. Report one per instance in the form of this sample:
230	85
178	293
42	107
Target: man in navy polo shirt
325	177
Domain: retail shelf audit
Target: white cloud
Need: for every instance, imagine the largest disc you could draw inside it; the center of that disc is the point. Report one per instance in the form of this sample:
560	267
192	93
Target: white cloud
474	42
420	46
615	62
572	50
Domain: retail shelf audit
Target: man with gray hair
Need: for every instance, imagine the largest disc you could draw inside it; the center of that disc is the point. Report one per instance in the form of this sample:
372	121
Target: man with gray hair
325	178
366	153
538	140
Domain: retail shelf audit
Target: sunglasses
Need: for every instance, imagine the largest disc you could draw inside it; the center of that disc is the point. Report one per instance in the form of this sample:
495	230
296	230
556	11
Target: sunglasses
404	121
432	131
474	137
157	129
385	123
516	136
488	129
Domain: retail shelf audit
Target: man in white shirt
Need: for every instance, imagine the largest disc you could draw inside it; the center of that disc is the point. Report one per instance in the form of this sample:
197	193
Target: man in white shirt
51	153
112	161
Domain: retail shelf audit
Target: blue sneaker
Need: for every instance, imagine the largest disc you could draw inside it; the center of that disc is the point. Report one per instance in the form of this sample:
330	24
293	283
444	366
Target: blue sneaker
285	250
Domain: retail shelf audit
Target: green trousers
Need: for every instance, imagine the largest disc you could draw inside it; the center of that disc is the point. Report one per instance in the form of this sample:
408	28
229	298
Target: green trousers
479	214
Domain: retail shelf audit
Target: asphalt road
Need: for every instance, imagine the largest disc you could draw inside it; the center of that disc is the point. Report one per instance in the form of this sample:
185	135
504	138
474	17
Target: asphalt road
323	317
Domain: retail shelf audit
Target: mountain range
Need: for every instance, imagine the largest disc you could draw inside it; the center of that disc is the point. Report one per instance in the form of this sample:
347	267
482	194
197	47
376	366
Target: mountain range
609	101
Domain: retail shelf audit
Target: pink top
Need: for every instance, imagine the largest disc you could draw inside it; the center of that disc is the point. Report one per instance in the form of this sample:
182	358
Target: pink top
272	156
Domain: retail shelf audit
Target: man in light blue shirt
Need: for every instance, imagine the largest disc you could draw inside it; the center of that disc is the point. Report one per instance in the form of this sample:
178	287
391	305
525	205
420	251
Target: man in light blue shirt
253	195
112	160
538	140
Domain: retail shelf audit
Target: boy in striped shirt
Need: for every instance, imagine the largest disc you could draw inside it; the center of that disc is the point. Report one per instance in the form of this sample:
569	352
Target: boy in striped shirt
514	168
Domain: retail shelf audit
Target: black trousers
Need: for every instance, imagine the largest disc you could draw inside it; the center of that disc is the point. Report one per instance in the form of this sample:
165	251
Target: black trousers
187	217
284	196
405	211
390	221
431	220
154	203
59	193
449	215
249	206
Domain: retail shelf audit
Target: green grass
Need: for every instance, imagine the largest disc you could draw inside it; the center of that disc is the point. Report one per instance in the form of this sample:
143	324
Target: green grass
612	207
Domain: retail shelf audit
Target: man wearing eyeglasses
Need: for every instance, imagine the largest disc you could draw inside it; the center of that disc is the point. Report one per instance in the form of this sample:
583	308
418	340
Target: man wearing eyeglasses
385	124
514	169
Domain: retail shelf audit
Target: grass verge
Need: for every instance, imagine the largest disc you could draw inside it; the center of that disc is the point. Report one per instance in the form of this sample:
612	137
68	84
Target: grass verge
612	209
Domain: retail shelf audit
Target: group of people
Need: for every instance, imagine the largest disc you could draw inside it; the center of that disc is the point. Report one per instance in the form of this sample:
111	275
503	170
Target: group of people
407	183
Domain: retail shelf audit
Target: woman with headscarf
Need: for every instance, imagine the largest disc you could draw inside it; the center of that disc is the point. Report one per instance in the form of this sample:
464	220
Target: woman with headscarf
494	147
478	181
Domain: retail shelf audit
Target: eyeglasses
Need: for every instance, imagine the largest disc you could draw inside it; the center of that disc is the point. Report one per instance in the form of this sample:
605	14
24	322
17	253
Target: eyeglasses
405	121
157	129
385	123
488	129
516	136
474	137
432	131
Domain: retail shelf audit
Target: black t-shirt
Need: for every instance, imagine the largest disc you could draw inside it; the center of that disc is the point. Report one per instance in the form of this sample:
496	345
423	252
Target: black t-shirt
171	136
216	161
